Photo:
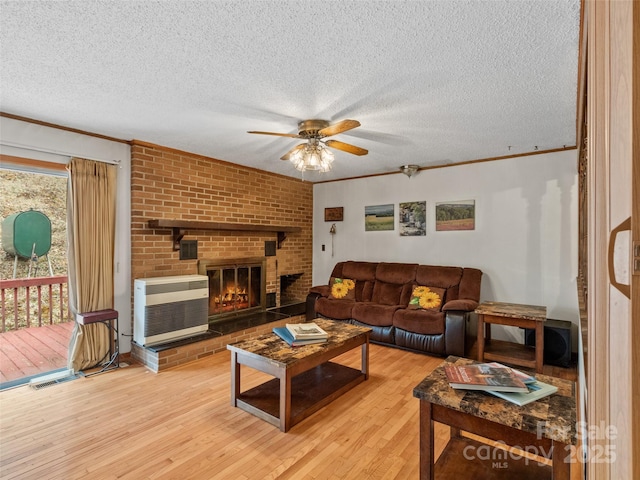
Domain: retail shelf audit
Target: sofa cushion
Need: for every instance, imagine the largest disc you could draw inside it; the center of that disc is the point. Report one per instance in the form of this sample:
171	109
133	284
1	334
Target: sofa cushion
441	277
398	273
426	322
359	270
331	308
342	288
364	273
387	293
392	283
426	298
374	313
470	284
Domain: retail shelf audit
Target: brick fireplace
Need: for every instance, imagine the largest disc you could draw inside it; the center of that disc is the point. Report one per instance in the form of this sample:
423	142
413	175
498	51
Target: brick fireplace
175	185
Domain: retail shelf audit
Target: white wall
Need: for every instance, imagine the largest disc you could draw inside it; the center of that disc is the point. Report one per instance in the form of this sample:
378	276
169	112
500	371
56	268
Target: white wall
525	237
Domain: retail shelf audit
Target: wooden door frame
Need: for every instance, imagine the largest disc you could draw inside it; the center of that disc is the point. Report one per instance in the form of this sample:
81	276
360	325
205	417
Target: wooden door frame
613	139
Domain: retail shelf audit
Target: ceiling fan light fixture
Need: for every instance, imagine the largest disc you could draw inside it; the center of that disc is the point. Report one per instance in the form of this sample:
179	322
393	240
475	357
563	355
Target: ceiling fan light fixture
312	157
315	154
409	170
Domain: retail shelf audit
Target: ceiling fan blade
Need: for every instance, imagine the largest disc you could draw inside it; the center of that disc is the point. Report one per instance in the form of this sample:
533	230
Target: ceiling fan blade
346	147
292	135
339	127
287	155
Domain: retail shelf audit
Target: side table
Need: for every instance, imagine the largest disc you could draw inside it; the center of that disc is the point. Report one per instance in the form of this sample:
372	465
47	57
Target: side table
109	318
515	315
545	428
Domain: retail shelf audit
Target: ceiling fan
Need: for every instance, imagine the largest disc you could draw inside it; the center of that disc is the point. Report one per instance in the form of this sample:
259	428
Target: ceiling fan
313	155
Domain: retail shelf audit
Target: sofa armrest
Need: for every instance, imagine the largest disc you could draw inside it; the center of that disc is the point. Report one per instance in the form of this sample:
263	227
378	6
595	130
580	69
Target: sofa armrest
462	304
322	290
311	305
455	333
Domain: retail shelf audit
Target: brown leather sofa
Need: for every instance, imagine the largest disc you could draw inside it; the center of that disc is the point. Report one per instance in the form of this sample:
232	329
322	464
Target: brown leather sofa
383	292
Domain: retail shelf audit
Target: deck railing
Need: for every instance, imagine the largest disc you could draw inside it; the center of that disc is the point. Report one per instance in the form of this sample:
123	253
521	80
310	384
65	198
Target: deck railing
33	302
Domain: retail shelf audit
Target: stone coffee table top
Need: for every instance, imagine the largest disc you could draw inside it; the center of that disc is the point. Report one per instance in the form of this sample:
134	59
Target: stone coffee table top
553	417
275	349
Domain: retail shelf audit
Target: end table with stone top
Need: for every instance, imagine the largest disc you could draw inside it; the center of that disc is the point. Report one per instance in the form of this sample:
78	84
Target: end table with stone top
545	428
514	315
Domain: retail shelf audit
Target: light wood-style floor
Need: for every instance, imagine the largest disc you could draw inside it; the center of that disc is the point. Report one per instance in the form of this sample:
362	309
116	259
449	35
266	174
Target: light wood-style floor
131	423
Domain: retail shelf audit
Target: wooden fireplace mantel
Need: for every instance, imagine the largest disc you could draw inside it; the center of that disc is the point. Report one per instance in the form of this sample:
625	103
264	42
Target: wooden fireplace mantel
180	226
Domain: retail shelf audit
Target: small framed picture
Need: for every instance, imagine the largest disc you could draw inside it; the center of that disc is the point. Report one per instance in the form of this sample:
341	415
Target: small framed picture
334	214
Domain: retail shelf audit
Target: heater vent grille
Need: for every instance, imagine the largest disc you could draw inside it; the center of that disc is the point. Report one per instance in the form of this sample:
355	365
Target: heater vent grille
169	317
170	308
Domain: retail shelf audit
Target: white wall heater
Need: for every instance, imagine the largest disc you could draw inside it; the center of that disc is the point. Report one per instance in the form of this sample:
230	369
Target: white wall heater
170	308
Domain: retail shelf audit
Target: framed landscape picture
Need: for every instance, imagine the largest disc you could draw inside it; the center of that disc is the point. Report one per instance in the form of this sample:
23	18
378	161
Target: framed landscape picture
453	216
413	219
378	218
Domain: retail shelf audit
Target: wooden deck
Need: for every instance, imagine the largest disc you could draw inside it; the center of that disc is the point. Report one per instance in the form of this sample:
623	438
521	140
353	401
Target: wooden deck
35	350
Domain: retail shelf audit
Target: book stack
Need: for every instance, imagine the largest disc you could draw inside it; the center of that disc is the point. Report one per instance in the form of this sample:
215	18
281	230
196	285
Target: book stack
499	380
298	334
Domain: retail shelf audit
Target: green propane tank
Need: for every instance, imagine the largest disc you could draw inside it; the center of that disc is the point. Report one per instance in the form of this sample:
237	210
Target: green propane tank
20	231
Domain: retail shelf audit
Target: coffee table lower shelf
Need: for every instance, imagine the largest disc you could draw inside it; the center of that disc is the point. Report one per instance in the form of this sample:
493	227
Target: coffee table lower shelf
466	458
310	391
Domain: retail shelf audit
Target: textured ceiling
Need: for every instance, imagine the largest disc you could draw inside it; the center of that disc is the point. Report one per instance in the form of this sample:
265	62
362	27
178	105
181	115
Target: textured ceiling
432	82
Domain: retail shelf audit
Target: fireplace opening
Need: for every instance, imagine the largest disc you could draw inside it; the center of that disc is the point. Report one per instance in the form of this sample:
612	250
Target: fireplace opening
235	286
289	294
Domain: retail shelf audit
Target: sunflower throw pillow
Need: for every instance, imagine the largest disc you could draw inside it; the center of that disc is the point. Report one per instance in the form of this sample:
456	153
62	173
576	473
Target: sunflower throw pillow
342	288
425	298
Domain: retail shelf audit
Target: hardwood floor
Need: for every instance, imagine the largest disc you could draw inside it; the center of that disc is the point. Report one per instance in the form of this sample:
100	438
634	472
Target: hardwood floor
131	423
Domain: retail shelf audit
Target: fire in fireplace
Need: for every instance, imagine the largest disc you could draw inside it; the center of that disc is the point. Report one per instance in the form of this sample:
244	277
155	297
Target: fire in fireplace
235	285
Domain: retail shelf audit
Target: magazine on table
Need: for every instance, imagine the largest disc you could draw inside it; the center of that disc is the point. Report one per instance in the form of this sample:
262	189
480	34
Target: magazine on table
306	331
483	376
526	378
537	390
285	335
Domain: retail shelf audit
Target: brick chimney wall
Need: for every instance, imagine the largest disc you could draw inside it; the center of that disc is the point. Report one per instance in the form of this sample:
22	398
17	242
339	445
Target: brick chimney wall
175	185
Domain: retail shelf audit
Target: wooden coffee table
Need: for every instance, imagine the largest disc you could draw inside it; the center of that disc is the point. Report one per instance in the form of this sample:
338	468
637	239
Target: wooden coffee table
305	380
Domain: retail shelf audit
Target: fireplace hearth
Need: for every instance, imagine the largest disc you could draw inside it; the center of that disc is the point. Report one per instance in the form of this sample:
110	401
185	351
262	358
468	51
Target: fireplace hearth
236	286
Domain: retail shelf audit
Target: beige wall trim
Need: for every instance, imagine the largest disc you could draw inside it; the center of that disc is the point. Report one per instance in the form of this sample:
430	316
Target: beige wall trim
457	164
62	127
